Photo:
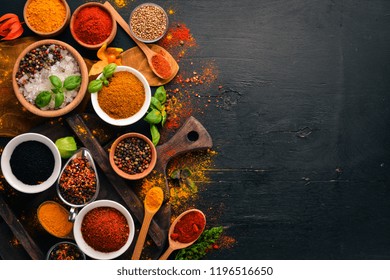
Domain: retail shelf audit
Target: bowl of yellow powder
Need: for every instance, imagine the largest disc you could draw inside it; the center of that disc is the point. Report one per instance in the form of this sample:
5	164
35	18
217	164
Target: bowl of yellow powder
125	100
46	18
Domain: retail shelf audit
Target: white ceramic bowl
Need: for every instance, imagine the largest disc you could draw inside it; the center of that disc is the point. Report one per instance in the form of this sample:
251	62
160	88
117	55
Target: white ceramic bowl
137	116
88	250
6	167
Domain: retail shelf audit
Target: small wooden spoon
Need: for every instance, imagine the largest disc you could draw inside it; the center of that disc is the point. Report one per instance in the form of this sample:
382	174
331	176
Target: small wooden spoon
149	213
149	53
175	245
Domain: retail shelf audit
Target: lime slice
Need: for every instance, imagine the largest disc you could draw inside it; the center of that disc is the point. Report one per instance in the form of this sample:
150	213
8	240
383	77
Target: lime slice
67	146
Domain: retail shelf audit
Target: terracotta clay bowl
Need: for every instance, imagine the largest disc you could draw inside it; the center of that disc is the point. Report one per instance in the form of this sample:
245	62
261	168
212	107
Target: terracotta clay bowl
109	39
53	33
124	174
77	99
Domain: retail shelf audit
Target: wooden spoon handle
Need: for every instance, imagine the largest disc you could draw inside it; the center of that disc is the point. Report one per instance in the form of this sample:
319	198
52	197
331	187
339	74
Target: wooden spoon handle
119	19
142	236
166	254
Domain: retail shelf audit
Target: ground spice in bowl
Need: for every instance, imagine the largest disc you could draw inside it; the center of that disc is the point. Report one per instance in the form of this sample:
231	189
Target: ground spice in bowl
32	162
54	219
105	229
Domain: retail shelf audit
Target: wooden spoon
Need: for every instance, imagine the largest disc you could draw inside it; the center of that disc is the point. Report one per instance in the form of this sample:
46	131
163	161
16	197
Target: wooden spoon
149	213
149	53
176	245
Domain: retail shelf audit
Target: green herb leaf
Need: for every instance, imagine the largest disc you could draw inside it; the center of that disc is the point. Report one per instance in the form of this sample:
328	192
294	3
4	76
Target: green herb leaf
109	70
55	81
155	103
164	117
191	185
199	249
161	94
153	117
43	99
67	146
155	134
105	82
95	86
58	99
72	82
185	173
175	174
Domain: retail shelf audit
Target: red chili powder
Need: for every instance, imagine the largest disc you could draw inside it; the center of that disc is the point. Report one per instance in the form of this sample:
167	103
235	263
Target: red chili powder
178	35
189	227
105	229
92	25
162	66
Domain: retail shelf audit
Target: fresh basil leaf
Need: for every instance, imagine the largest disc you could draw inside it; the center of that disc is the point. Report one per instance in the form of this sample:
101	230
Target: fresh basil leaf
156	103
109	70
155	134
153	117
163	117
43	99
55	81
161	94
105	82
95	86
59	99
72	82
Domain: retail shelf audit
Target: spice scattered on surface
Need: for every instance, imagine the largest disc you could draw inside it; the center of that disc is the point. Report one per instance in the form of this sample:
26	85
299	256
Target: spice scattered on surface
32	162
46	16
148	22
121	3
92	25
105	229
77	184
54	219
189	227
123	97
132	155
66	251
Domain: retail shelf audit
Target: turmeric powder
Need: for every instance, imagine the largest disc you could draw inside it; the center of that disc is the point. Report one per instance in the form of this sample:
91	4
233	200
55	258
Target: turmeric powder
46	16
123	97
154	198
54	218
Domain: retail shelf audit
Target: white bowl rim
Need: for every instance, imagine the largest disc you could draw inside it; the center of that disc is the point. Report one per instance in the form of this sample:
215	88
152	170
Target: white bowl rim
6	167
134	118
88	250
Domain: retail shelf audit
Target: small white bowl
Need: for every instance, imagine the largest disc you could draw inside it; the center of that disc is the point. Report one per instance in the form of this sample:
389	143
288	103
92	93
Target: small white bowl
6	167
88	250
134	118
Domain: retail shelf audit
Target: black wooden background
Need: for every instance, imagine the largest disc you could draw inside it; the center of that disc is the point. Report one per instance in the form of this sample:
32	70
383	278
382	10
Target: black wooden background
302	133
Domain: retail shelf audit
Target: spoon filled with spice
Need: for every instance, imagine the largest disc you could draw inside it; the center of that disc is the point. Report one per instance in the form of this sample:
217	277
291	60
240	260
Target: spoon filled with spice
152	203
158	62
185	230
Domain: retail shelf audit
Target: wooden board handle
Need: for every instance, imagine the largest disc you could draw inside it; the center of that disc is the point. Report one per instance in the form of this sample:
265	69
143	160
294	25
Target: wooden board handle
191	136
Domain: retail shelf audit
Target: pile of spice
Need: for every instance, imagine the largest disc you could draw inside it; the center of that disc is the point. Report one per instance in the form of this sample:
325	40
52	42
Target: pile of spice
105	229
148	22
32	162
38	65
54	218
92	25
132	155
123	97
189	227
78	182
45	16
66	251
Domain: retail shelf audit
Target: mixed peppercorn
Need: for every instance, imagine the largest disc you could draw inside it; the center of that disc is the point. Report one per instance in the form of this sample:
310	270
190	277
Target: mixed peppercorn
66	251
132	155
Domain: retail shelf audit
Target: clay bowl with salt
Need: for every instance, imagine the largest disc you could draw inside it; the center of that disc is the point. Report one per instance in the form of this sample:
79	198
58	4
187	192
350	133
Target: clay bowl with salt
44	26
93	25
31	76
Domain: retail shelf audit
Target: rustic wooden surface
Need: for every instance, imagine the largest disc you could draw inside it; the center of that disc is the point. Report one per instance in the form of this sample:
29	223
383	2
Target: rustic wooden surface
302	132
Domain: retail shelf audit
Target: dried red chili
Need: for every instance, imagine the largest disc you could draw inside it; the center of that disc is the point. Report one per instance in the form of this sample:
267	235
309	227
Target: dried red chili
189	227
162	66
105	229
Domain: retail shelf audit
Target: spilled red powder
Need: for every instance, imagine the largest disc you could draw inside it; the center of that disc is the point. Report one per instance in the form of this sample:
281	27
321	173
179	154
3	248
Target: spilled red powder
178	35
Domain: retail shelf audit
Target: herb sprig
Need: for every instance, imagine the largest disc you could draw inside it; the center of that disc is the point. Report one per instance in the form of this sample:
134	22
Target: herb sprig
97	85
156	113
44	97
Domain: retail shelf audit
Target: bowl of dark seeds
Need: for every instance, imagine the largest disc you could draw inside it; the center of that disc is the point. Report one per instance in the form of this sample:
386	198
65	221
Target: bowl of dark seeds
133	156
31	163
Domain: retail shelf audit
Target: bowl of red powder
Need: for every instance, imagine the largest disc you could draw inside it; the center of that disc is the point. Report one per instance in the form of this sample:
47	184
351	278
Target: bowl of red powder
92	25
104	229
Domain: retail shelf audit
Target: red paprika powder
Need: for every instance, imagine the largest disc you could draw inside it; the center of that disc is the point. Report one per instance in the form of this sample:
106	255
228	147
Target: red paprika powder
189	227
105	229
162	66
92	25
